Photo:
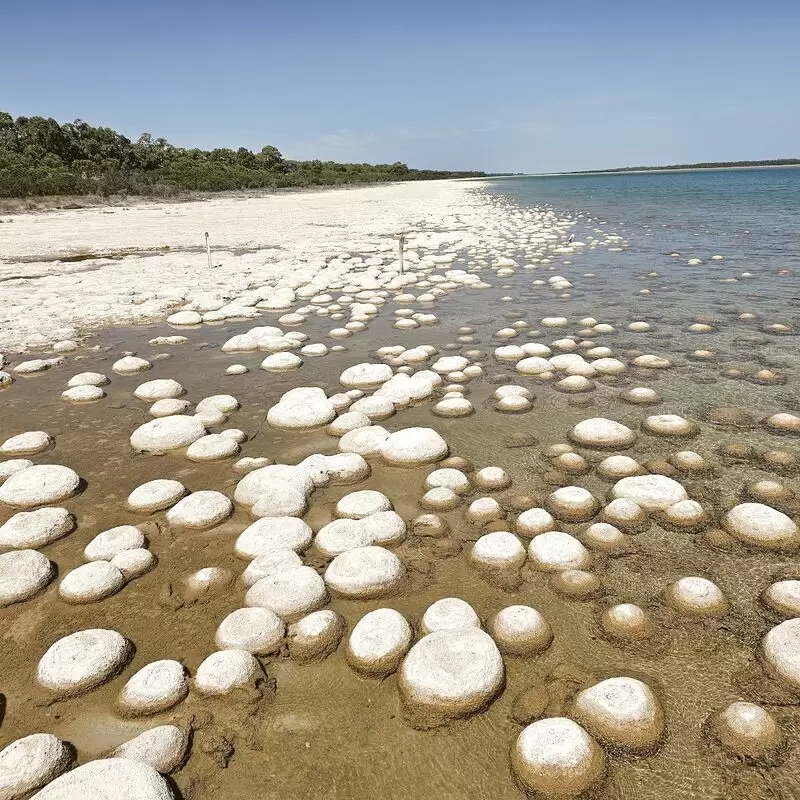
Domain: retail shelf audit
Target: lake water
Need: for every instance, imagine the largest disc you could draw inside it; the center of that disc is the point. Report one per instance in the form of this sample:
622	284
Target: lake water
750	216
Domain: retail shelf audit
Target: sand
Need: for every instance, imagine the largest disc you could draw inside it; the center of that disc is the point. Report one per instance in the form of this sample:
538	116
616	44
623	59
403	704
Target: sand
275	240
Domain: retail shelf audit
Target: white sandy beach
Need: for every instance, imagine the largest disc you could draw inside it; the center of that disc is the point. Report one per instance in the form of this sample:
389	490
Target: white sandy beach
275	240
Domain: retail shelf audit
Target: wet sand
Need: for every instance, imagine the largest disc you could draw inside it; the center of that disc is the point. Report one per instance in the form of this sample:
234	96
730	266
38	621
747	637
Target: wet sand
324	730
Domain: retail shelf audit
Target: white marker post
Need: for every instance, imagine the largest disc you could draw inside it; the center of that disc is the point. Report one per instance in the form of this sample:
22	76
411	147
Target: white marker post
402	243
208	251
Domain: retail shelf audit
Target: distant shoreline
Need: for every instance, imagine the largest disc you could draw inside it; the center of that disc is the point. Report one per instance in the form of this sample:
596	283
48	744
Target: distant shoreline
789	162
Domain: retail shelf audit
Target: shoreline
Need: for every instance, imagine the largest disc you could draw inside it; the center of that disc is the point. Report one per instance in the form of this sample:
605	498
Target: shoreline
45	203
70	271
77	202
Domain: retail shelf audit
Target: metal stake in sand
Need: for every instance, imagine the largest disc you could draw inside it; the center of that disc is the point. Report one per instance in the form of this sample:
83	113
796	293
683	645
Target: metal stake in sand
402	241
208	251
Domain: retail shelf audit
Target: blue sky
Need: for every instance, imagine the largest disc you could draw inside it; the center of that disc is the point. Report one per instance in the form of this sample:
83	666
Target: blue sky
499	86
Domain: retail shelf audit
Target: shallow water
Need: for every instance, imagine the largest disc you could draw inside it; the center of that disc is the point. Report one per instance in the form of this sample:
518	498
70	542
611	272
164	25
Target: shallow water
330	733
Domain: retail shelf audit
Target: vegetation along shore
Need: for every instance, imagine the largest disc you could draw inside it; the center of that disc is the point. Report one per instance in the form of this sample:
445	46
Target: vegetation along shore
40	157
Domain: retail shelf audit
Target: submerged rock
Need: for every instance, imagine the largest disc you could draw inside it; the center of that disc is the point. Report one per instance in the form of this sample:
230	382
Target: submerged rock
622	712
747	730
557	758
449	674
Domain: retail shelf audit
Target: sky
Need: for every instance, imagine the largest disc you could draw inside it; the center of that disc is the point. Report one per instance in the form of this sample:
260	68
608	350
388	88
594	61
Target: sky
497	85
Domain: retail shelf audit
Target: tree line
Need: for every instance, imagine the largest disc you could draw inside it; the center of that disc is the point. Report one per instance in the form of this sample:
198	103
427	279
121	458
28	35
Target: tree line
40	157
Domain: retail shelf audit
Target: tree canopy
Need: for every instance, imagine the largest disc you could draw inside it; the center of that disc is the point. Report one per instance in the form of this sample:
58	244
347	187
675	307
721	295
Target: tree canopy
39	156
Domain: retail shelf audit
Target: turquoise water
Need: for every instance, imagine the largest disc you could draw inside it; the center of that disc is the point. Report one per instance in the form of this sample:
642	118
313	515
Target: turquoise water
741	213
749	216
754	209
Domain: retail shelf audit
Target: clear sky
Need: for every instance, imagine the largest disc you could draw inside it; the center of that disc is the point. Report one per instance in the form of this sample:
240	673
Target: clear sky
498	85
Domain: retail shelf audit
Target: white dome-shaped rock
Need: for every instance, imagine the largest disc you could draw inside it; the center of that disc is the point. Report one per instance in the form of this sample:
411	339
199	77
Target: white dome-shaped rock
155	495
35	529
110	543
315	636
83	660
91	582
273	533
200	511
358	505
621	712
555	551
378	642
108	778
257	630
24	444
760	525
498	550
365	376
520	631
160	389
450	674
780	652
31	762
39	485
167	433
557	758
449	613
130	365
289	594
602	433
165	748
653	492
23	574
226	670
414	447
156	687
365	572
